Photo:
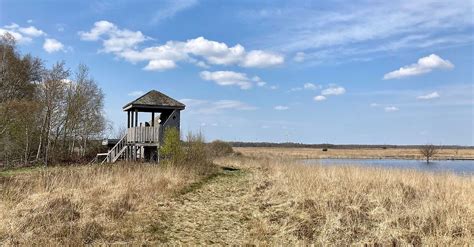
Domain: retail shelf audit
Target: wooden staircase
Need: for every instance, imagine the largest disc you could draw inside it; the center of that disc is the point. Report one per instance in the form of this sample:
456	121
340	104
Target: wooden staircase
121	150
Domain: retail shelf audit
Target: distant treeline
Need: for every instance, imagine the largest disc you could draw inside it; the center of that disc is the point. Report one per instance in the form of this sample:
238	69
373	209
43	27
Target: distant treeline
335	146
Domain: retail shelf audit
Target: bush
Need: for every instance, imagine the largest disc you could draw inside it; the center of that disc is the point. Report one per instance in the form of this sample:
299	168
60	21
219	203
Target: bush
219	148
193	154
172	150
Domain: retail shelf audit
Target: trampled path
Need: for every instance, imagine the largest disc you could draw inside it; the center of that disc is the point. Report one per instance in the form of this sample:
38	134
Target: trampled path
216	212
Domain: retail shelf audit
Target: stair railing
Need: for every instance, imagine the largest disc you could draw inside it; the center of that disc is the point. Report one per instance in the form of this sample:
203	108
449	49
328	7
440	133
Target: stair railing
116	151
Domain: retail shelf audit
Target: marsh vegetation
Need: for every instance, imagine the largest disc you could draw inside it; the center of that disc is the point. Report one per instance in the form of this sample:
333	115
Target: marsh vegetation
239	200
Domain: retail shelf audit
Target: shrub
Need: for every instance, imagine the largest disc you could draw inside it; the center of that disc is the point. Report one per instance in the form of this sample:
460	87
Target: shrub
197	155
172	150
219	148
193	154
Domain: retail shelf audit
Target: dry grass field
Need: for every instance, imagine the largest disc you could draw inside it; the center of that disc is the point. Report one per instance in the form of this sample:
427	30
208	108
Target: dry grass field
377	153
250	200
78	205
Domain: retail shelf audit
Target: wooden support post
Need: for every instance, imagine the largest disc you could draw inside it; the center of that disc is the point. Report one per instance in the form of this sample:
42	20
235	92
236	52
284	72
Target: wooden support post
152	119
136	118
131	123
128	119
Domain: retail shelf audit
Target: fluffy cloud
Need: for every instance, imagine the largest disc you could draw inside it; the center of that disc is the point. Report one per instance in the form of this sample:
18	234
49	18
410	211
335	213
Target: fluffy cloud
261	59
227	78
333	90
391	109
160	65
200	51
281	108
320	98
52	45
22	34
231	78
27	34
423	66
432	95
31	31
114	39
310	86
198	106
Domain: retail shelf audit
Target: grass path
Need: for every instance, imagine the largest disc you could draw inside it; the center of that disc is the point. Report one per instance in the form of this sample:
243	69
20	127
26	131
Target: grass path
215	211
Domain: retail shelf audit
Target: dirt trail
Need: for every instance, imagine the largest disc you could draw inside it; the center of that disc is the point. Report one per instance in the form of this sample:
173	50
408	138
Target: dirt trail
217	211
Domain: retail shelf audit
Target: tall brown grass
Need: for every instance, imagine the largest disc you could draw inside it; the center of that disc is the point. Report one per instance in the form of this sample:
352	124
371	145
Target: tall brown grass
80	205
355	205
276	201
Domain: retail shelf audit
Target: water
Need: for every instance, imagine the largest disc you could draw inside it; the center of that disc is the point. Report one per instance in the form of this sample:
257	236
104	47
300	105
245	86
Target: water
460	167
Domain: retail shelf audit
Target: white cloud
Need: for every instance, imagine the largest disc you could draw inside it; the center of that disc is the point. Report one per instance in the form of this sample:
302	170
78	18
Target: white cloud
310	86
114	39
261	59
423	66
100	28
299	57
136	93
22	34
123	43
374	105
199	106
52	45
31	31
432	95
26	34
391	109
281	108
319	98
18	36
227	78
333	90
160	65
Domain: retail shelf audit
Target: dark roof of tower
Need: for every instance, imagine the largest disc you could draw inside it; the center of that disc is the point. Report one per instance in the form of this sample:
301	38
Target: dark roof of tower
154	100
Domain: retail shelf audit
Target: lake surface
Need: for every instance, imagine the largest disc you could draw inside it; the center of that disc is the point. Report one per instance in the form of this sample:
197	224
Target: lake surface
461	167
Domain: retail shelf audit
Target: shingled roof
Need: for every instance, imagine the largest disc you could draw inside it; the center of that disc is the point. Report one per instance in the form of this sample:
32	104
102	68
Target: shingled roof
154	100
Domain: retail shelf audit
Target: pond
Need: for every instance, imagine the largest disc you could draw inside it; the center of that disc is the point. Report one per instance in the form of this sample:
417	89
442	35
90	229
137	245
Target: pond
460	167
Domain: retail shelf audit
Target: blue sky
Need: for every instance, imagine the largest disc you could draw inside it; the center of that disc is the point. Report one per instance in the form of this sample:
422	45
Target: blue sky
369	72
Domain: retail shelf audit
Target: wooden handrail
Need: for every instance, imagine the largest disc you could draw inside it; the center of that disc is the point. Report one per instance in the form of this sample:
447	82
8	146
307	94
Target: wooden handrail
116	150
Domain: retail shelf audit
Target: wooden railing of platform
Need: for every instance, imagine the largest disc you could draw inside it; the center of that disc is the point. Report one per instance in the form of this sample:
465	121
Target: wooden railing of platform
147	134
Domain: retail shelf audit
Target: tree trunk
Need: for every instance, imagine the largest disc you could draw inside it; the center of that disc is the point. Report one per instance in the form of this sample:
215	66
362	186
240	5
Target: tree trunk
27	146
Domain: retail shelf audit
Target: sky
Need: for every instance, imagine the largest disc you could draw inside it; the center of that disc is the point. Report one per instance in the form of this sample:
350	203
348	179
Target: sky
343	72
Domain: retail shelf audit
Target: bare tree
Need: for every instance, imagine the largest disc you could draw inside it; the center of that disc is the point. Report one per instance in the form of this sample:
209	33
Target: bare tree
43	111
51	95
428	151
